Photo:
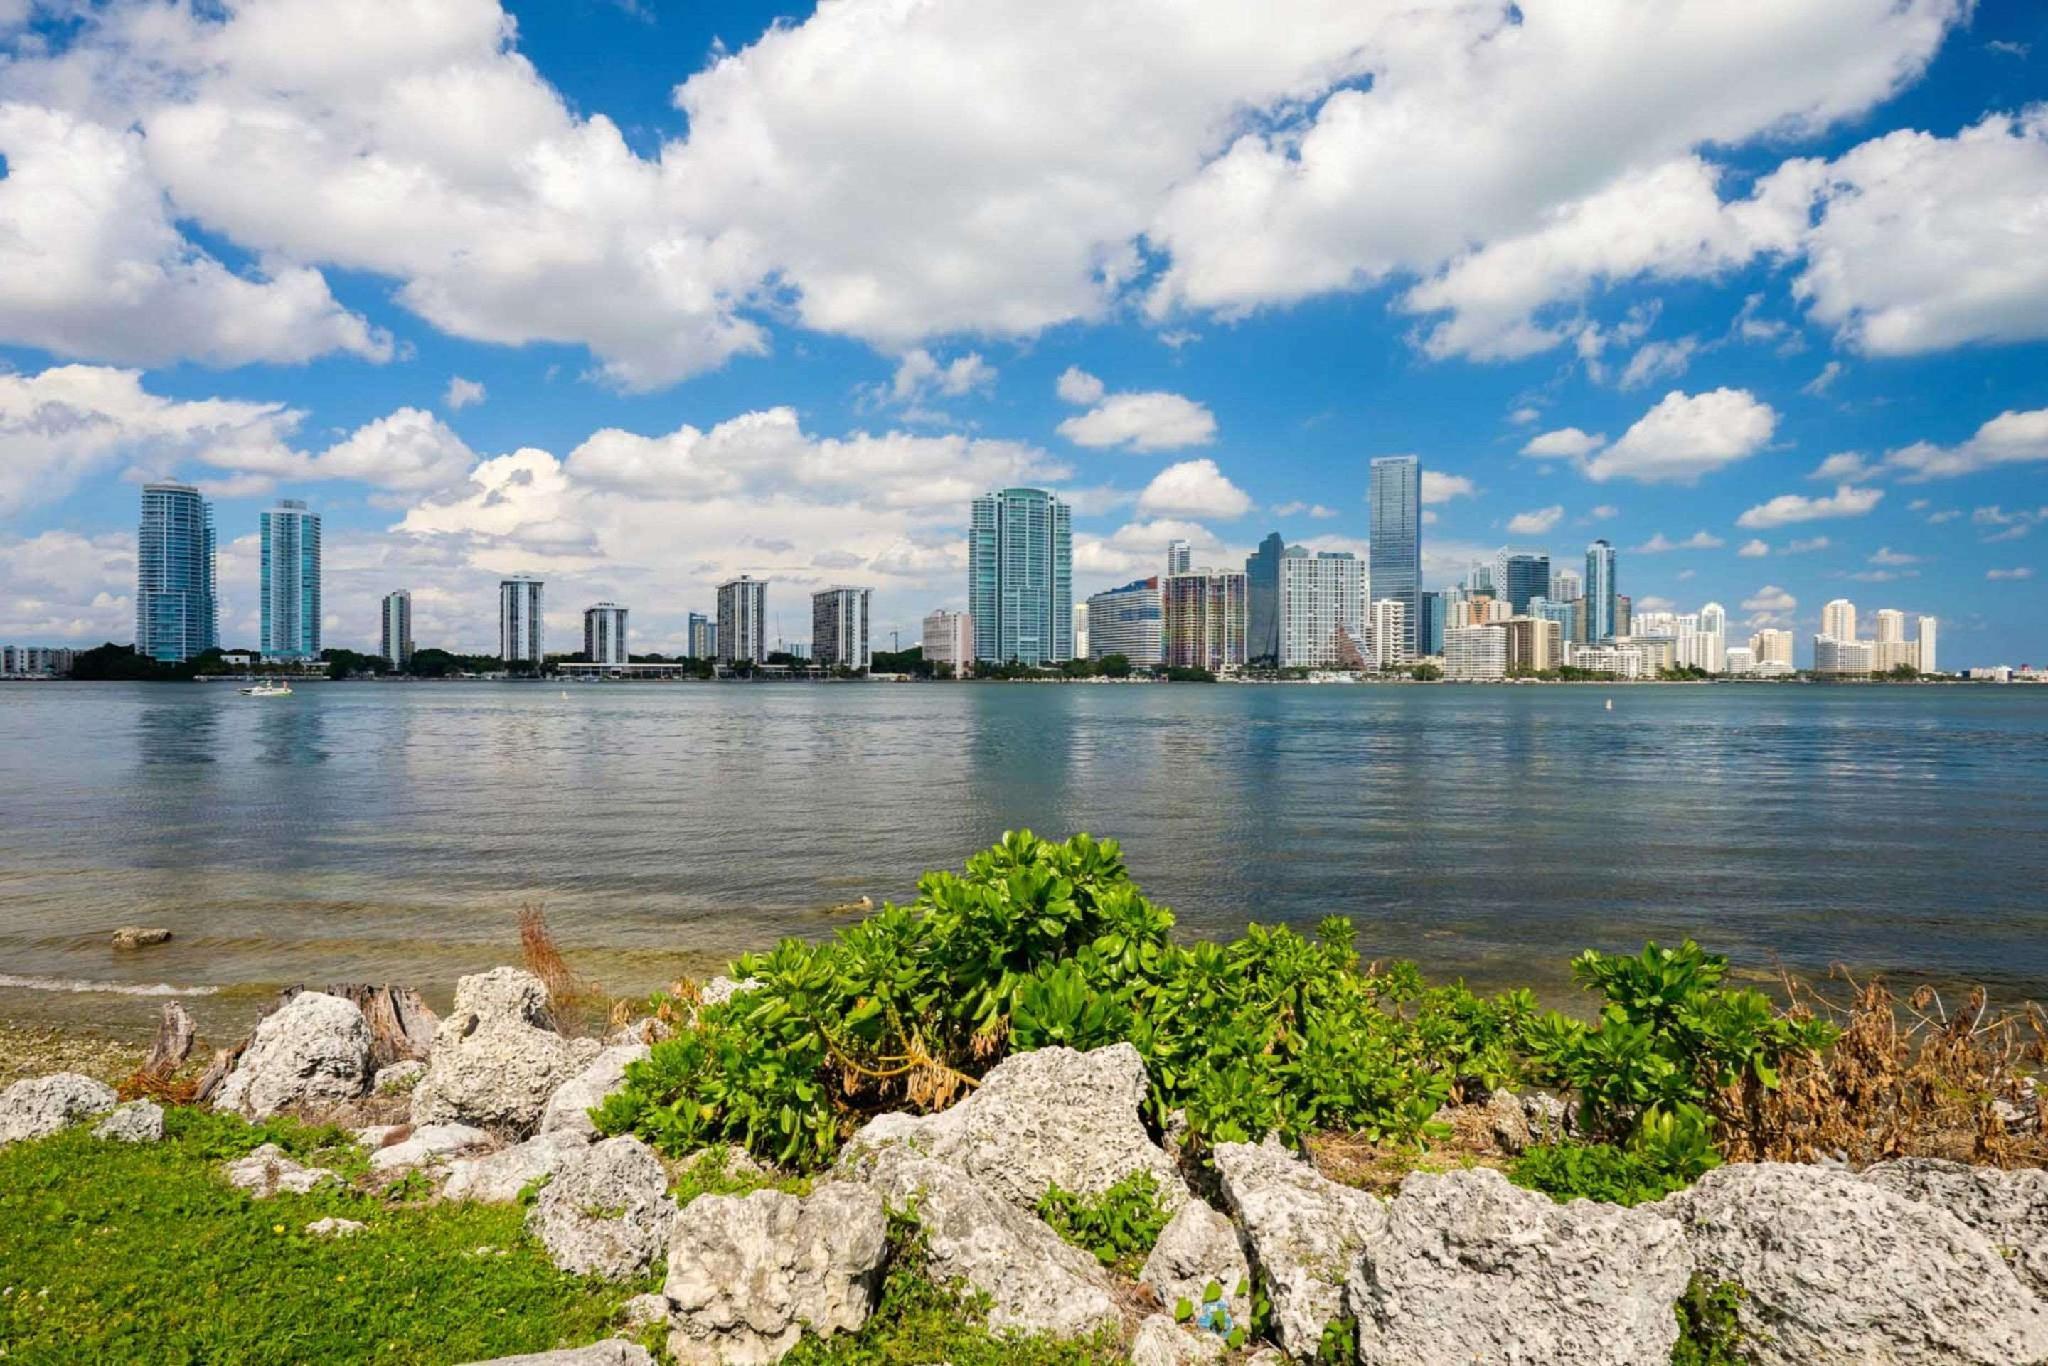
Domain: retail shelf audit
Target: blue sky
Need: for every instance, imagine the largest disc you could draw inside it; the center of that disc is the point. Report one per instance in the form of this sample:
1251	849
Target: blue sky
638	296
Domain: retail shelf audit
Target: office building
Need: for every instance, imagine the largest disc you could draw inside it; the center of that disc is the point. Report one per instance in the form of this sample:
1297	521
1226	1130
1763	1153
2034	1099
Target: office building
1389	635
1771	646
1128	621
949	639
1518	578
1838	620
1479	579
1534	645
1179	557
1262	589
1928	663
604	634
1322	610
522	633
1567	615
1602	617
1429	632
703	636
839	628
176	613
1202	619
1476	653
1624	614
291	582
397	636
742	621
1565	585
1020	577
1395	552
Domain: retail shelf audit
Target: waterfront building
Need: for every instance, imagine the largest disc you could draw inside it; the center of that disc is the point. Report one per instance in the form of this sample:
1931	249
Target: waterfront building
1713	624
1202	619
839	628
1179	557
1602	616
1130	621
742	621
1832	655
1620	661
1772	645
949	639
1624	614
291	582
1429	631
1262	592
1395	552
1322	609
604	634
1739	661
1838	620
35	661
1081	630
1567	615
1020	577
702	632
176	613
522	633
397	634
1565	585
1519	577
1534	644
1389	636
1476	653
1659	653
1926	651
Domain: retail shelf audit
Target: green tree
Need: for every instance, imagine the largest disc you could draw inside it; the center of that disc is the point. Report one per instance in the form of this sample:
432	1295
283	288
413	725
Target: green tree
1116	666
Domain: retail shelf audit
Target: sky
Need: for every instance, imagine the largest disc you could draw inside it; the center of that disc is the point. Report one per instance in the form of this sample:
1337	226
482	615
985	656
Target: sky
637	295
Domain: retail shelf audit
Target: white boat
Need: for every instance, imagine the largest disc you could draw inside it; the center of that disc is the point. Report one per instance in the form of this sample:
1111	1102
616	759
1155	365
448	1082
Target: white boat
1610	704
268	688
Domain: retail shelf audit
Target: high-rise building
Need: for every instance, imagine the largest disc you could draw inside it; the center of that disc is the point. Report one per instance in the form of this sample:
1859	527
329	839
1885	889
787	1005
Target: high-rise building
604	634
1714	626
1519	577
1624	614
36	661
1179	557
1534	644
1928	662
1081	630
949	639
291	582
1838	620
1772	646
703	636
1202	619
1020	577
1602	618
1607	659
742	621
1565	585
1429	632
1567	615
176	614
1476	653
398	628
522	633
839	628
1127	621
1390	634
1395	553
1891	626
1833	655
1322	610
1262	589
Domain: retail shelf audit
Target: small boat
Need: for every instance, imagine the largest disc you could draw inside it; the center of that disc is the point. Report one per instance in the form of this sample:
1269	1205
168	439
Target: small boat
268	688
1610	704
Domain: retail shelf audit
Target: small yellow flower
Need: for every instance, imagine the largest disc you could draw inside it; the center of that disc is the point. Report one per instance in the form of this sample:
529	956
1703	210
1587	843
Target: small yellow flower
277	1228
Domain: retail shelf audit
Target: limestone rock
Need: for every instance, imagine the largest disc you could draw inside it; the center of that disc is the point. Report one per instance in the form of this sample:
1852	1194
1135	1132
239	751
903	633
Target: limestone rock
267	1172
1200	1245
140	937
335	1228
607	1211
315	1050
398	1079
610	1352
497	1178
1508	1121
1303	1231
1052	1116
721	989
569	1108
38	1106
1838	1269
1035	1282
1471	1268
1162	1342
139	1121
748	1275
2008	1207
1548	1119
644	1311
428	1143
496	1058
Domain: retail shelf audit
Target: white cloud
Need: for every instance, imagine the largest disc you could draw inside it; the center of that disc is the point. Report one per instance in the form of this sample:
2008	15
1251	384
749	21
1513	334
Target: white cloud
462	393
1138	550
1753	549
920	376
1945	515
1771	600
1699	540
1154	421
1604	512
1523	416
1846	501
2011	438
1843	467
1566	442
1536	521
1194	488
1685	436
1076	385
1887	556
1659	360
1653	603
1438	487
2023	572
1811	543
1823	381
63	586
2012	526
1298	509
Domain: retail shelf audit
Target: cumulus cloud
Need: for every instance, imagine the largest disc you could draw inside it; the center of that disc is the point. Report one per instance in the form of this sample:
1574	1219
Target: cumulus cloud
462	393
1299	509
1887	556
1567	443
1154	421
1659	360
2011	438
2023	572
1843	467
1699	540
1811	543
1685	436
1537	521
1753	549
1438	487
1823	381
1076	385
1194	488
1772	599
1846	501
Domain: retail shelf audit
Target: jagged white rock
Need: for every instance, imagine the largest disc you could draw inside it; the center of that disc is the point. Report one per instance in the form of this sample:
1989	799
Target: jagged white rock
268	1171
749	1275
429	1143
607	1211
497	1178
314	1050
1162	1342
2008	1207
1470	1268
335	1228
139	1121
1304	1232
36	1107
496	1058
1200	1245
399	1078
569	1108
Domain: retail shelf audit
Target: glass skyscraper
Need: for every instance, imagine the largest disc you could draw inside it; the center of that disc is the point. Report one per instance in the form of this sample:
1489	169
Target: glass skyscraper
1394	569
291	582
1020	577
1600	595
1262	594
1519	578
176	615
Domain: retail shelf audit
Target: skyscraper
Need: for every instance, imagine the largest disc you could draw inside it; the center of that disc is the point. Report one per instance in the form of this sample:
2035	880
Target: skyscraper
521	632
1020	577
1179	557
1262	599
1429	632
1322	610
742	621
839	628
1714	626
291	582
1517	578
703	634
604	634
1202	619
1564	585
1127	621
176	615
949	639
398	628
1601	608
1926	661
1390	634
1396	548
1838	619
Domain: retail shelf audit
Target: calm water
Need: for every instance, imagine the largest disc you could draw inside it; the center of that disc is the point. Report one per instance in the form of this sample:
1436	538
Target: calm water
379	832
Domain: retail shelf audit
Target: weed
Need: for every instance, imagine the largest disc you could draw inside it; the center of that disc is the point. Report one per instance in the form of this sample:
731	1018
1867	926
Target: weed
1118	1226
1709	1329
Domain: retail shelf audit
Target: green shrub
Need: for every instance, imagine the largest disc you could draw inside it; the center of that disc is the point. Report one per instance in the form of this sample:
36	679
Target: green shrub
1119	1226
1709	1331
1595	1171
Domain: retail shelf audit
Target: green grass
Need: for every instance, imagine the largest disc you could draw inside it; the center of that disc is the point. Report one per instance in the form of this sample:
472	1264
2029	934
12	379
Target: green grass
141	1253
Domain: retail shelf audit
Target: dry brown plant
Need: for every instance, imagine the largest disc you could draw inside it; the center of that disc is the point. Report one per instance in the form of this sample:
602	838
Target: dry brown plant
576	1003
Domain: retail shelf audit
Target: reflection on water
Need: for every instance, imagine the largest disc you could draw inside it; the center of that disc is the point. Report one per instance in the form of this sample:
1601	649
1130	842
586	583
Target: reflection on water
390	832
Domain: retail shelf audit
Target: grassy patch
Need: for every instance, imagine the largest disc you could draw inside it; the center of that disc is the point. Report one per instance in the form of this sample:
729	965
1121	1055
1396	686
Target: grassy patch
142	1253
1119	1226
1709	1331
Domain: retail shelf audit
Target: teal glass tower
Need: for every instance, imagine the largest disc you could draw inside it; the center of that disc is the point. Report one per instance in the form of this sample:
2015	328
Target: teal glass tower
1020	577
1600	595
176	615
1394	563
291	582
